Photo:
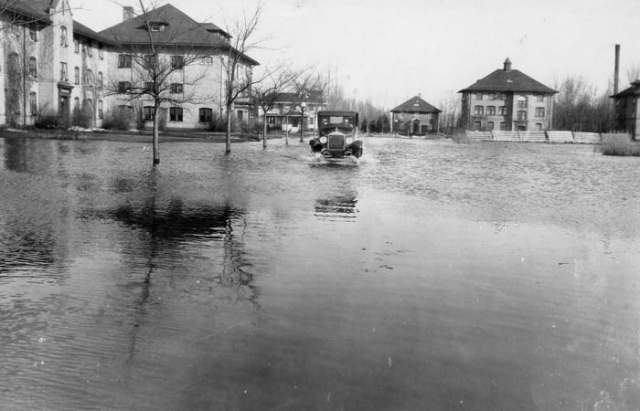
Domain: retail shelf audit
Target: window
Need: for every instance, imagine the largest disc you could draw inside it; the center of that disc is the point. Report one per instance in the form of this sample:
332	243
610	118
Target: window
207	61
539	111
124	61
100	51
148	113
76	45
149	87
63	36
90	48
522	115
479	96
176	88
150	61
100	79
478	110
538	126
100	110
33	33
490	125
33	103
491	110
76	75
522	102
477	125
206	115
503	126
88	77
124	86
33	67
156	26
540	97
492	96
503	96
177	62
63	72
503	110
175	114
76	104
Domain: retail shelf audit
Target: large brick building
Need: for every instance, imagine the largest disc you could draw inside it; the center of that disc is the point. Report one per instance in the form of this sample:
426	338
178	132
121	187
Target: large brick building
55	65
507	99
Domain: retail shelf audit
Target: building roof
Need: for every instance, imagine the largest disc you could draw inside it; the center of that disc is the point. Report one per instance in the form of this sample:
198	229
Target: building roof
634	90
311	97
415	105
179	30
507	79
33	9
81	29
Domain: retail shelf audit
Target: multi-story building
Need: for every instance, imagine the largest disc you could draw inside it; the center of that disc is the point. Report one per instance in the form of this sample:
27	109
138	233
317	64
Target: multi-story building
55	65
626	109
507	99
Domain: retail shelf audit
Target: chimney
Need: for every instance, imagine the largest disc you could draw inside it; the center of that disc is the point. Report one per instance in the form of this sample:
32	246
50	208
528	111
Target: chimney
616	70
127	13
507	65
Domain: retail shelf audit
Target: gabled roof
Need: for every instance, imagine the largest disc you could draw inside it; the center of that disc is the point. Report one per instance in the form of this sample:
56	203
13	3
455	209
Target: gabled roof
634	90
33	9
81	29
179	30
415	105
311	97
506	79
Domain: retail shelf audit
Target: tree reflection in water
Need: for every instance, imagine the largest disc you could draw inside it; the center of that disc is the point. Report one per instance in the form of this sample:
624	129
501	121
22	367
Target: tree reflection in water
176	229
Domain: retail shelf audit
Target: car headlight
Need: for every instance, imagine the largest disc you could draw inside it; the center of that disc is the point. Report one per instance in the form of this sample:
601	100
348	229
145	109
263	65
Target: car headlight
349	140
323	140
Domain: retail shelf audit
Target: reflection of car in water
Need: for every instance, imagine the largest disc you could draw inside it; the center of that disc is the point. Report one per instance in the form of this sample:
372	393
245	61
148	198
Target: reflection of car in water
337	135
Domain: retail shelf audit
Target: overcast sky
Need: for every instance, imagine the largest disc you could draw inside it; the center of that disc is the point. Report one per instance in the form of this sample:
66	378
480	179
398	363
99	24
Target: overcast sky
390	51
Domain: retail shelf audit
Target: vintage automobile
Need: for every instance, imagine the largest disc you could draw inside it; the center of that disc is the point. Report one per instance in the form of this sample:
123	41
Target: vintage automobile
337	135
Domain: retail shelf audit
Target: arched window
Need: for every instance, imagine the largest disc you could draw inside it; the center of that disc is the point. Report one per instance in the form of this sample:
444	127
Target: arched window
33	103
33	67
63	36
88	77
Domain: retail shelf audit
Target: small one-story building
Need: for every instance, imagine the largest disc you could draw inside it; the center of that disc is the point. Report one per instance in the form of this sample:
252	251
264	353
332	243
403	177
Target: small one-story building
414	117
626	110
507	99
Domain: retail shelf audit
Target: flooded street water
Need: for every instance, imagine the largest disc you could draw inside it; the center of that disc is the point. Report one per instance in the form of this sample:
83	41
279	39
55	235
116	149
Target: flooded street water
430	276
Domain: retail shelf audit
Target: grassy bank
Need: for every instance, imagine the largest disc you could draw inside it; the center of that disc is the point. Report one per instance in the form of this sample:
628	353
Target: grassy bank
620	147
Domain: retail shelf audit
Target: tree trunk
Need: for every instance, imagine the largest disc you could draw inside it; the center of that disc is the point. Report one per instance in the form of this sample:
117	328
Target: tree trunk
156	135
228	139
264	131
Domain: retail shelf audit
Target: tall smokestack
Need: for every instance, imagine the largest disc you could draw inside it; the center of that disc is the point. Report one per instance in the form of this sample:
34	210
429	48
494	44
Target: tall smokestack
127	13
616	72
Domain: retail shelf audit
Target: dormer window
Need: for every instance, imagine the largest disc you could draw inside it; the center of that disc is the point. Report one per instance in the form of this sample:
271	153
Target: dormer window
154	26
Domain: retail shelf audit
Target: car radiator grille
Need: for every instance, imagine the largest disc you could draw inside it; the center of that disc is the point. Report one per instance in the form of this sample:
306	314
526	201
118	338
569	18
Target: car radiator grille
336	142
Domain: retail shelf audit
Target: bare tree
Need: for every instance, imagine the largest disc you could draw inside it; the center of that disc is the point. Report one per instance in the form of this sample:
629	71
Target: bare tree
267	93
164	70
238	66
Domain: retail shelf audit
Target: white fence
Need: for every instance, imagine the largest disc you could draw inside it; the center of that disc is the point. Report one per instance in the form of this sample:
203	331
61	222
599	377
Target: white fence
544	136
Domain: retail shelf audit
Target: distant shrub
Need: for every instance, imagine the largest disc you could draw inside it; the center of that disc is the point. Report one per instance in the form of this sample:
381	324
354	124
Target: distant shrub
47	119
118	119
217	123
620	147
